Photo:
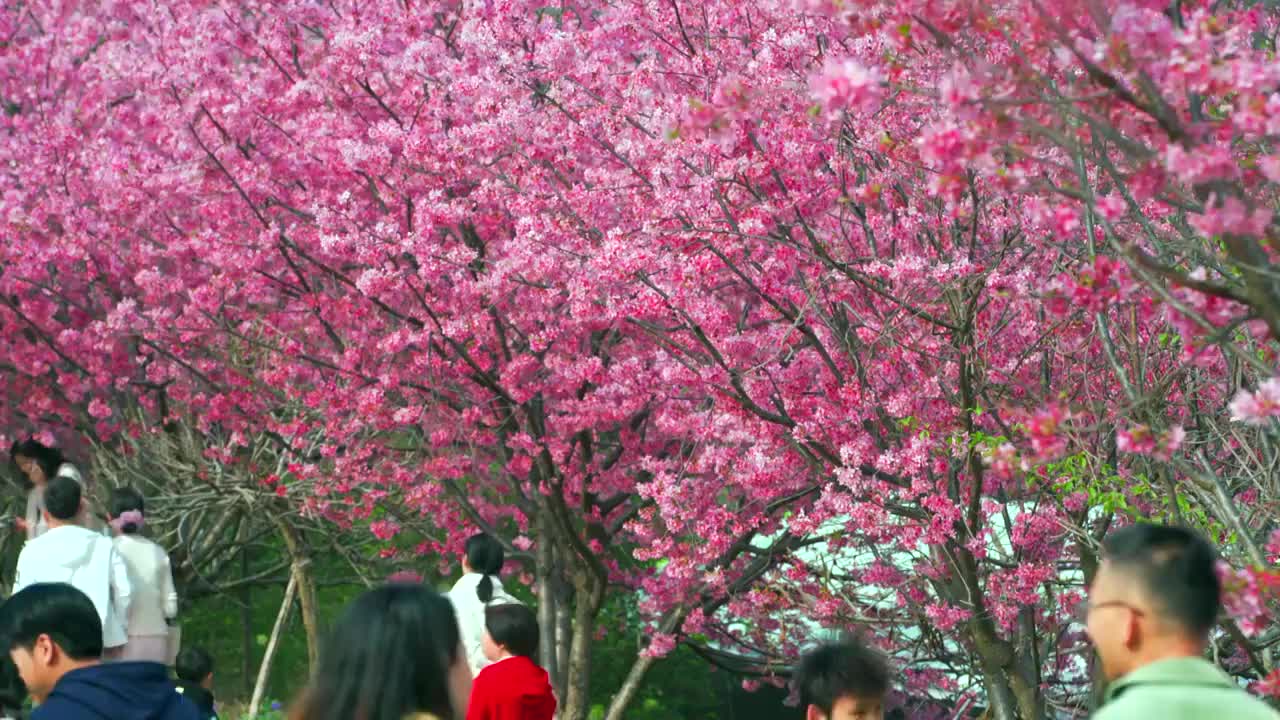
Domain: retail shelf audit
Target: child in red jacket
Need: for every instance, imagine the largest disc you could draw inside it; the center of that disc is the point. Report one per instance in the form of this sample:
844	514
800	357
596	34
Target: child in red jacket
513	687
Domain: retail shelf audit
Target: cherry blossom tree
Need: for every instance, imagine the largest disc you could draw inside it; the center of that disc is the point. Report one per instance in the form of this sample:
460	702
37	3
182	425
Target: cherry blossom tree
668	295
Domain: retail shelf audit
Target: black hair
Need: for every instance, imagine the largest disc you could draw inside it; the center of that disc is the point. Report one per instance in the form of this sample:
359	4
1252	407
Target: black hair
845	668
48	458
62	497
58	610
387	657
122	501
193	665
485	556
514	627
13	693
1176	569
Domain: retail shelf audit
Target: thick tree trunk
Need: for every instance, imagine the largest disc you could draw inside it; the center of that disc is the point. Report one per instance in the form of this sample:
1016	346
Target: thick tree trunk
1006	672
564	627
587	601
1011	695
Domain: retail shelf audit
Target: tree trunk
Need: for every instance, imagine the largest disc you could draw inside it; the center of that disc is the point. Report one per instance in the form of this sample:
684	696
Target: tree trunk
564	626
268	655
587	600
306	589
622	699
630	686
548	606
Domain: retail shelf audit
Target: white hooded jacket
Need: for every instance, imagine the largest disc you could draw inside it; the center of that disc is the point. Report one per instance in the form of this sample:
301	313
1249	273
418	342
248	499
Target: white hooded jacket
88	561
470	612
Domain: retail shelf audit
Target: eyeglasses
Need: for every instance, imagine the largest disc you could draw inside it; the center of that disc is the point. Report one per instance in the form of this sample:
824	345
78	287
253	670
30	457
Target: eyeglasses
1084	609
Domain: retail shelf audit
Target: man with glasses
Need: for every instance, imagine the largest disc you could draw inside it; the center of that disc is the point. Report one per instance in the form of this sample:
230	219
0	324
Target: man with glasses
1153	603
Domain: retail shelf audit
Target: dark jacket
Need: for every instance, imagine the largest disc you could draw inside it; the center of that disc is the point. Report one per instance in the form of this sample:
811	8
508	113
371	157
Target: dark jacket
116	691
200	697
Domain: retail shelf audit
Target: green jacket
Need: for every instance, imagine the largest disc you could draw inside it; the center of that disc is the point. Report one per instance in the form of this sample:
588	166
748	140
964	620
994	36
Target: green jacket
1181	689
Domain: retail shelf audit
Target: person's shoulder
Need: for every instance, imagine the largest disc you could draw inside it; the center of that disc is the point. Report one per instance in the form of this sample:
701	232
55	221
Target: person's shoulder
37	546
1149	701
103	543
1249	707
487	673
466	583
135	543
59	708
492	679
181	707
1123	708
69	470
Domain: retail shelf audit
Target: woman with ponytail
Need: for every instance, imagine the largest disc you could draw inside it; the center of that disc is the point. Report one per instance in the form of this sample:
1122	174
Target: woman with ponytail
154	601
478	588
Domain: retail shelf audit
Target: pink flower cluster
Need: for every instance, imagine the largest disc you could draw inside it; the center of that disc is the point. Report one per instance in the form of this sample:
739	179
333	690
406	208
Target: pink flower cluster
1257	407
1248	595
1093	289
846	84
1141	440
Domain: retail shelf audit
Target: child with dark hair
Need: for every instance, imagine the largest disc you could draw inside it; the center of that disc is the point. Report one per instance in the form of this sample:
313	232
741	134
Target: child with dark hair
843	680
512	687
194	668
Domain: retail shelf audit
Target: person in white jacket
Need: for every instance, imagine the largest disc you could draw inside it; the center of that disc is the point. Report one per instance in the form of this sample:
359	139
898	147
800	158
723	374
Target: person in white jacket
154	600
71	554
478	588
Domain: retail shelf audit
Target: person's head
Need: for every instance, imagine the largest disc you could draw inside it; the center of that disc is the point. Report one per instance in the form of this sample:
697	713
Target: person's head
509	629
484	556
395	651
51	628
126	510
1156	595
62	500
844	680
36	461
195	666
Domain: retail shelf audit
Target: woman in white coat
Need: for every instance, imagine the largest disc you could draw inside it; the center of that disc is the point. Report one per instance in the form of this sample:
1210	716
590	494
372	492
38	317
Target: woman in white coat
478	588
155	600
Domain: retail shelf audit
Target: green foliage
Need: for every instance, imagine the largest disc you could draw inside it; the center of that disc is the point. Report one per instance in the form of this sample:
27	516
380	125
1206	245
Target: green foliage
681	686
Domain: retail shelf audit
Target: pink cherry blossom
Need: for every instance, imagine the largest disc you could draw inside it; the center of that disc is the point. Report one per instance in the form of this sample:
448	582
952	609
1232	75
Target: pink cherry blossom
1256	408
846	85
679	296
